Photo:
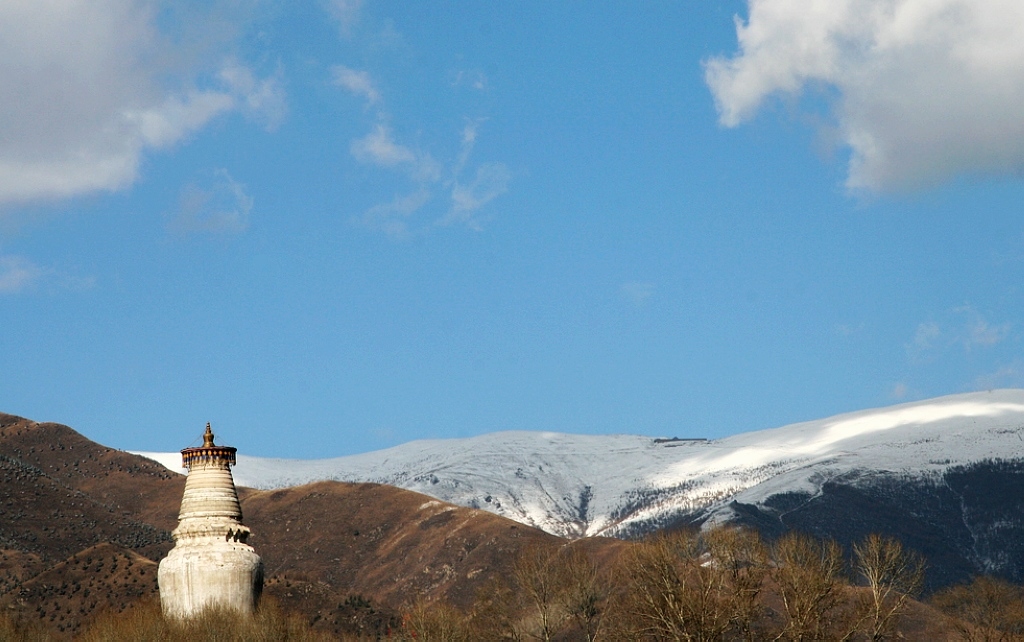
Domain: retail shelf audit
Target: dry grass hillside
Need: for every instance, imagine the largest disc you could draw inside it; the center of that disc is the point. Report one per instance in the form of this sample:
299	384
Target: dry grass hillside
382	541
83	526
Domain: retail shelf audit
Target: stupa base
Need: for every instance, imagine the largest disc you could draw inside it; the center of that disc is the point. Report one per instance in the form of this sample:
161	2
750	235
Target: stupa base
196	577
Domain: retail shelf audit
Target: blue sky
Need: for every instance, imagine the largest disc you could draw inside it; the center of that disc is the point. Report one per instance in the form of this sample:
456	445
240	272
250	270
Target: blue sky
331	227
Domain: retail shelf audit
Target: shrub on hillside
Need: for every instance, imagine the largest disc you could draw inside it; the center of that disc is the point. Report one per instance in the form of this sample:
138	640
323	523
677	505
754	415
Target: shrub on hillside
719	585
986	610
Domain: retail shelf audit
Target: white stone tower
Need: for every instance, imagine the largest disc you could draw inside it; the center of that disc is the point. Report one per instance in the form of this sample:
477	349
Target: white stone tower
211	563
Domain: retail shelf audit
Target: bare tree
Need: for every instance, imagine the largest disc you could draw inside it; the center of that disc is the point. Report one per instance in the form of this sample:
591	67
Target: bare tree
435	622
893	577
809	576
986	610
677	591
549	591
742	557
540	575
584	595
497	611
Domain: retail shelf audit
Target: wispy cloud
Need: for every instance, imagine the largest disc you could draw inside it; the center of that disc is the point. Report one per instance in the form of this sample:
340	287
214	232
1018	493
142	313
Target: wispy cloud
220	207
18	274
346	13
466	197
925	337
925	90
961	326
982	333
88	91
358	83
979	332
472	78
490	181
470	131
393	217
1008	376
437	193
379	148
260	99
963	340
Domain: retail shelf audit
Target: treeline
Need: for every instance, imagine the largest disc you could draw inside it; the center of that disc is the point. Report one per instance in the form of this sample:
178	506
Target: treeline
720	585
725	584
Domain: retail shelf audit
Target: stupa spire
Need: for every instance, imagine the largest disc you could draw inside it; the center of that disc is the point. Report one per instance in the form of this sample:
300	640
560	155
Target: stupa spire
211	562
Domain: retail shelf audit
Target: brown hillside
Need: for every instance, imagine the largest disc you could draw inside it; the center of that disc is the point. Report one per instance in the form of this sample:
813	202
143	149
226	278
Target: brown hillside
381	541
61	493
134	487
82	527
99	579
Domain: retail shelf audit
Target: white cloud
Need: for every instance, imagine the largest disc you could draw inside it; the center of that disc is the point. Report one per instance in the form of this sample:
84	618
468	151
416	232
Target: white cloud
261	99
962	340
393	217
491	181
924	339
1009	376
346	13
17	274
469	134
90	86
221	207
379	148
983	334
927	89
961	326
166	123
473	78
358	83
978	332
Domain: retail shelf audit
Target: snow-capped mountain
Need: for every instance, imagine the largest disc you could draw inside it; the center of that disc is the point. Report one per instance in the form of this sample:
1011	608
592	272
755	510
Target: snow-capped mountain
580	485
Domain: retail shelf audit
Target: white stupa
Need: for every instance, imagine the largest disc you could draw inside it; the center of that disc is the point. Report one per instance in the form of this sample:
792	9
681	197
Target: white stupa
211	563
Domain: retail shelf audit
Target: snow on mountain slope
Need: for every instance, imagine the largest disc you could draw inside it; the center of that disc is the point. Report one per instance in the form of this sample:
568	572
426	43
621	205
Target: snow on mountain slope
578	485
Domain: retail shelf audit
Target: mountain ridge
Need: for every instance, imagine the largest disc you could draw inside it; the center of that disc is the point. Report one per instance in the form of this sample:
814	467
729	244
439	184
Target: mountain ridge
585	485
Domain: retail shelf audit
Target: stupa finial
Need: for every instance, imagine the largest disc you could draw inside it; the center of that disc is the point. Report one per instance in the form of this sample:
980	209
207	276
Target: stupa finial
209	453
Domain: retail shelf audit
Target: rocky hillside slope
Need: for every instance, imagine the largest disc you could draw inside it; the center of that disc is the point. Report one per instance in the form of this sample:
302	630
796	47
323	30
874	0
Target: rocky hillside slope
83	526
